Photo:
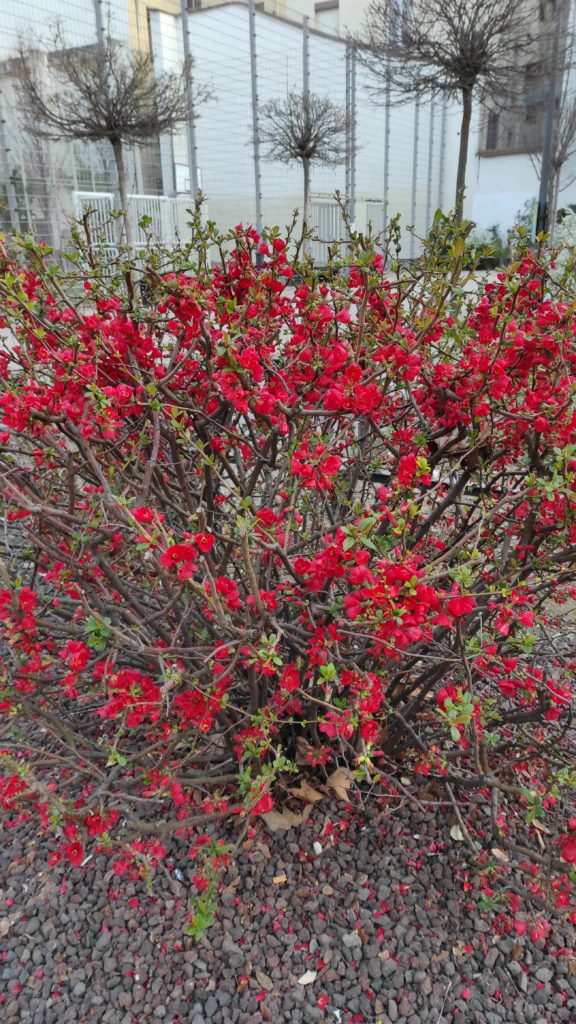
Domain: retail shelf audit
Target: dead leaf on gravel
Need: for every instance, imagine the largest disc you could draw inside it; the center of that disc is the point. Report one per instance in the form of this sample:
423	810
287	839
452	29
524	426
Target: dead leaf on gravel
266	1013
457	834
339	783
233	885
308	978
500	854
384	954
277	821
459	949
4	927
279	879
327	890
572	965
306	813
437	958
306	792
541	827
264	980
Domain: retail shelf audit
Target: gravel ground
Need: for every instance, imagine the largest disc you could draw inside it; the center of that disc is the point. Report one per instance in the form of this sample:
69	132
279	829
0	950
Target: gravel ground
382	918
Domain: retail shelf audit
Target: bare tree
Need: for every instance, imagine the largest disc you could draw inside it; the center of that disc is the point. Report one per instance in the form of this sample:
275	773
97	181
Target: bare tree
462	49
101	93
307	129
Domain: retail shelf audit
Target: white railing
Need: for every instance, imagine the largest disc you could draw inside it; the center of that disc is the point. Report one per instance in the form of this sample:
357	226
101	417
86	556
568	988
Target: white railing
328	228
169	217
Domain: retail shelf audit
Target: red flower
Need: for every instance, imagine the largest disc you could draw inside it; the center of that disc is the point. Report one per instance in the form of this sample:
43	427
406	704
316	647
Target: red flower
176	554
290	679
74	853
204	541
407	466
463	605
263	805
568	849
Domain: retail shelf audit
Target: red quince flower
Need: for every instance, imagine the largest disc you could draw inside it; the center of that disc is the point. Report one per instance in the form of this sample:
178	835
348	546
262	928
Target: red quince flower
461	605
74	853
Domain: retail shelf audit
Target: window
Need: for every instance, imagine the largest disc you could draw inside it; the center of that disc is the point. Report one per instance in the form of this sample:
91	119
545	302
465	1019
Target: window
327	15
492	131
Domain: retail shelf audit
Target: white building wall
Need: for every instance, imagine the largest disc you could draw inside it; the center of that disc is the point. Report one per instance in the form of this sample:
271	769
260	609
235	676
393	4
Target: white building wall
221	49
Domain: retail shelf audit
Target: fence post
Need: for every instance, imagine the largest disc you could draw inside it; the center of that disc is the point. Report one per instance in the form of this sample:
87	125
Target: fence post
10	190
442	153
190	127
99	22
385	198
430	158
414	175
353	135
306	56
350	130
255	125
348	126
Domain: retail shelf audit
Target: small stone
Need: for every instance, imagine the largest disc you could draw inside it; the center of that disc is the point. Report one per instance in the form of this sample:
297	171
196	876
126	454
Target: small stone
160	1011
79	989
388	968
351	940
544	974
375	969
491	958
103	940
211	1006
392	1010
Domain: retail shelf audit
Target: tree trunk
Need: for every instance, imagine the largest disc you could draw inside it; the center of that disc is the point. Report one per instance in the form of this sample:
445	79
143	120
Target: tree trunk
306	214
463	153
122	189
553	200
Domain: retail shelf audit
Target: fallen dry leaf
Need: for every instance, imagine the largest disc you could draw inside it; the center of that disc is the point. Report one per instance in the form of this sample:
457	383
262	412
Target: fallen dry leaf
264	980
308	978
4	927
278	821
279	879
339	783
306	813
459	949
541	827
306	792
439	957
457	834
500	854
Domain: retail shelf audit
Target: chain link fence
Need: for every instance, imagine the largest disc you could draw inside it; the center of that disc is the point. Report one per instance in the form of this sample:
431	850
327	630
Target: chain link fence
246	54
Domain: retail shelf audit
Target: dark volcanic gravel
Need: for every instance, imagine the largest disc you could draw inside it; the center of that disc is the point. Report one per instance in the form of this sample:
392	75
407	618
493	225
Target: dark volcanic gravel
383	918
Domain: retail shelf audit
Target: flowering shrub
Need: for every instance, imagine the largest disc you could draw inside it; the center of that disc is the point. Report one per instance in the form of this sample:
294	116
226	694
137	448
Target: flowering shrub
269	523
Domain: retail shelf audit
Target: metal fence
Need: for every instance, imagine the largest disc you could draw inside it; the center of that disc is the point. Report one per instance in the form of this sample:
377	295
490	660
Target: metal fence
246	53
